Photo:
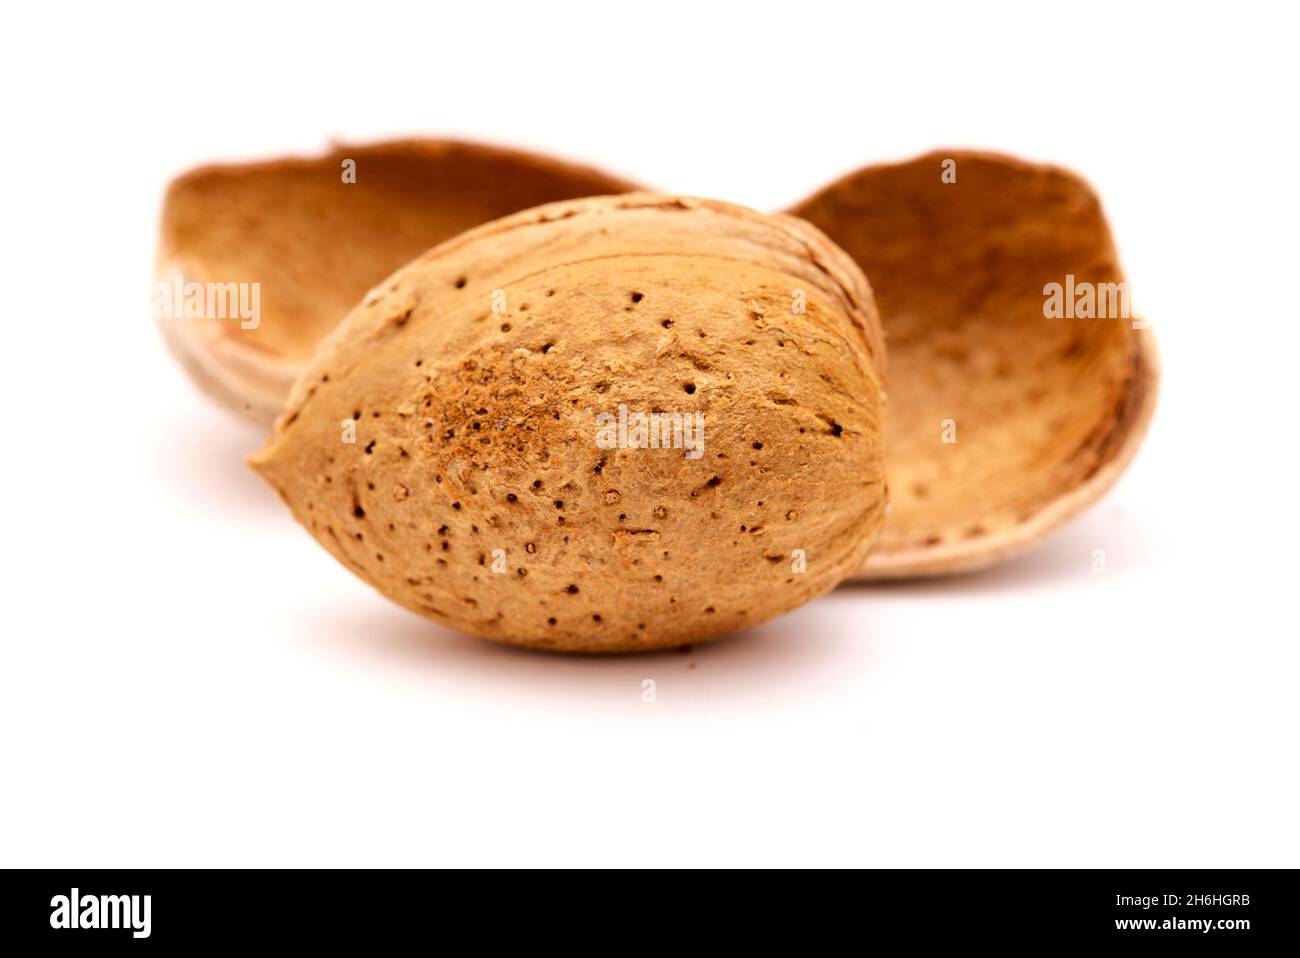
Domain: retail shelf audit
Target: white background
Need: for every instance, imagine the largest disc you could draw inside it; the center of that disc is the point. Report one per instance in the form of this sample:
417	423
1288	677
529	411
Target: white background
186	678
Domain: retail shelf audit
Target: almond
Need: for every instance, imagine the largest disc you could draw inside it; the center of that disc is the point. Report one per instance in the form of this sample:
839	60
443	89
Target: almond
467	440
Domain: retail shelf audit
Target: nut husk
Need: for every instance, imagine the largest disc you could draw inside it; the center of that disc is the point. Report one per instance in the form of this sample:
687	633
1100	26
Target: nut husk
477	492
1046	412
315	243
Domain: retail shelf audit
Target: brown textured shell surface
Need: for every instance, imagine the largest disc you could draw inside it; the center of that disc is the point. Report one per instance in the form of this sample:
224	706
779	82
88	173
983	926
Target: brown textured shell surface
315	242
479	491
1003	423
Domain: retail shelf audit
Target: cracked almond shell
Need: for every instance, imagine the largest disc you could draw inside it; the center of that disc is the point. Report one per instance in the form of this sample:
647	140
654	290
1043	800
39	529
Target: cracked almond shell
475	492
1046	413
316	244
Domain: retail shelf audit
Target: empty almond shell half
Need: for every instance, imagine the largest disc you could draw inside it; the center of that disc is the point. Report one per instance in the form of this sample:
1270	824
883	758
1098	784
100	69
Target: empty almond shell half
611	424
302	240
1021	381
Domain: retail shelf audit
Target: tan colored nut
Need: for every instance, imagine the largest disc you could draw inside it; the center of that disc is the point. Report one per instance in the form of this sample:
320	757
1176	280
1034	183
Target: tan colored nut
1003	422
315	234
446	442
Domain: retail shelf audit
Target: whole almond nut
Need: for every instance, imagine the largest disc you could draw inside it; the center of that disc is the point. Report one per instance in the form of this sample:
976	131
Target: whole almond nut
450	442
